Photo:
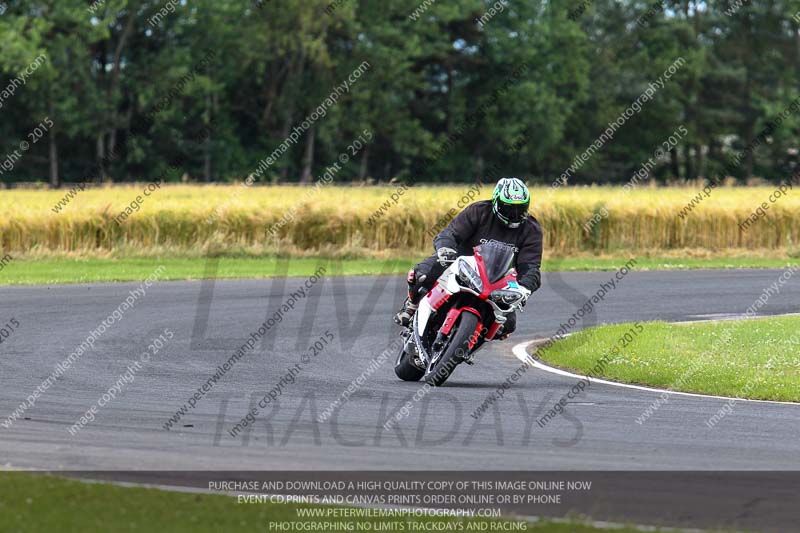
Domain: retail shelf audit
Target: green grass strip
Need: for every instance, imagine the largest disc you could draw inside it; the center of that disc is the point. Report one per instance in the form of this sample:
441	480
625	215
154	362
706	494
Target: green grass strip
89	270
756	359
32	503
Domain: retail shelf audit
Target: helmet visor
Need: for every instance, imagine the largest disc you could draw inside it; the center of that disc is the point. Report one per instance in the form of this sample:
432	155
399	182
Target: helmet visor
514	213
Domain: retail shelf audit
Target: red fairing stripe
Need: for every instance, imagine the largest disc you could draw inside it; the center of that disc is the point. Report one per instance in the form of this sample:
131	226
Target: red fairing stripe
437	296
489	287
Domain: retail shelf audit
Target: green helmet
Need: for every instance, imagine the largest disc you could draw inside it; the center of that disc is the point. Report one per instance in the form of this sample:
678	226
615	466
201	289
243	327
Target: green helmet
510	201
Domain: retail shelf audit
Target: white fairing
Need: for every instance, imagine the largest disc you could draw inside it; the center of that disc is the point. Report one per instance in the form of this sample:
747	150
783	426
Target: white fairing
422	315
450	284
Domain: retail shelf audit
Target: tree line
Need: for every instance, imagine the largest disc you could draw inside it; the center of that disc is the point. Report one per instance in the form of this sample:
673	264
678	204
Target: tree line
119	90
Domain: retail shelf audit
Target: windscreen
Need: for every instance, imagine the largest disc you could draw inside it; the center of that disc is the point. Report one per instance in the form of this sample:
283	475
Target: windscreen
498	258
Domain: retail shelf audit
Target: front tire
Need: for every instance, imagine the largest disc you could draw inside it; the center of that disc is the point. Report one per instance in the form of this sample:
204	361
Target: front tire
455	352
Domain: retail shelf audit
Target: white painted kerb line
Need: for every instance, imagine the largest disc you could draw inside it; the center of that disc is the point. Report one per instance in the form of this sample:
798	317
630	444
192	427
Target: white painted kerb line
521	353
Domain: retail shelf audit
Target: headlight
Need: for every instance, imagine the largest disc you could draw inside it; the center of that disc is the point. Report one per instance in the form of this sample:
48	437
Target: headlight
505	296
468	275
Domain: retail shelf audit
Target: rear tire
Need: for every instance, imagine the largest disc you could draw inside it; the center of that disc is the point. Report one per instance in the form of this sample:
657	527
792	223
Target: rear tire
405	367
456	350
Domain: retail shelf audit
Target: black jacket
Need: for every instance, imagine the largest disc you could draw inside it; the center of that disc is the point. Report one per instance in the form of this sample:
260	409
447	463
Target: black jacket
477	224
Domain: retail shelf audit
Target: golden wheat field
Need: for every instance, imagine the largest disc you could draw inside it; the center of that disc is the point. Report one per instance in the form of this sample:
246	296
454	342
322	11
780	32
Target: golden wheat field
334	220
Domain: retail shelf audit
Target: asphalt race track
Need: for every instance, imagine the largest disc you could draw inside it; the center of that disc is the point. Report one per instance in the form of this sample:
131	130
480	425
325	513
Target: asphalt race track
211	320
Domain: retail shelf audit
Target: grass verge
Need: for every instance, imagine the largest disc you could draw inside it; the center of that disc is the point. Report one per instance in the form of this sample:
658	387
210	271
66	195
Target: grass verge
34	503
51	270
756	359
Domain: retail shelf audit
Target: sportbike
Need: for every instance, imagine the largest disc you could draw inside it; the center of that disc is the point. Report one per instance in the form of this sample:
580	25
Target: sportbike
466	307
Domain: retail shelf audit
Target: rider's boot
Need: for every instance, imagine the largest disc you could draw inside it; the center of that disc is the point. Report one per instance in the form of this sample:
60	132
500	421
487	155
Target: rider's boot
404	316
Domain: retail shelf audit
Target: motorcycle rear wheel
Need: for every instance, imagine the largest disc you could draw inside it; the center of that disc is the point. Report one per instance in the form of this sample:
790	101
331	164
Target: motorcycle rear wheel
405	367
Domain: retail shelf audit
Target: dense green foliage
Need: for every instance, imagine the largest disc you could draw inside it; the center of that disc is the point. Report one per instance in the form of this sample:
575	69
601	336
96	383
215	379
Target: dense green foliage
448	90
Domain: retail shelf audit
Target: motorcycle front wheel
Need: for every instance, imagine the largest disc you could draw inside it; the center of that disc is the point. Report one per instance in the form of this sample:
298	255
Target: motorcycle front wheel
454	352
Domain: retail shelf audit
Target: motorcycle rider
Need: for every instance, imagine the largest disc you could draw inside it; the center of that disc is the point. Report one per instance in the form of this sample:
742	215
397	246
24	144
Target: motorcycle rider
504	218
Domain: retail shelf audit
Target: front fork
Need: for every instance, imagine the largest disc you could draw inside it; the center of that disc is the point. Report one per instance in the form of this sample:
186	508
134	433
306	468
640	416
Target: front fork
474	338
